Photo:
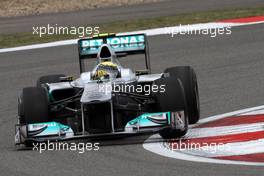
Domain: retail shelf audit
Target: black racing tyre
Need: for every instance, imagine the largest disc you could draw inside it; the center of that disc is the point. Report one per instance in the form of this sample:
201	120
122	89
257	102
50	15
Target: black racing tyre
188	78
49	79
20	108
33	106
172	99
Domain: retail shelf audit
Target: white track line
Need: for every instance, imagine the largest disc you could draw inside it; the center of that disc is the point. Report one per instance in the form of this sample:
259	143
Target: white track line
224	130
149	32
160	149
255	112
42	45
234	113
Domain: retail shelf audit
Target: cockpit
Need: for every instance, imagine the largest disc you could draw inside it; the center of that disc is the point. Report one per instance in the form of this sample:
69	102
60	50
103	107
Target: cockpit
107	66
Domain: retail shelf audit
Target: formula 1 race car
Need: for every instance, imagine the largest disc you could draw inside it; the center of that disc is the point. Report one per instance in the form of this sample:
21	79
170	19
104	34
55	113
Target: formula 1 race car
109	100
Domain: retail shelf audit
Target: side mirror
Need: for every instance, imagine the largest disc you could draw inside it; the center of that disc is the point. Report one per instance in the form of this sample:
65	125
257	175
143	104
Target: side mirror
66	78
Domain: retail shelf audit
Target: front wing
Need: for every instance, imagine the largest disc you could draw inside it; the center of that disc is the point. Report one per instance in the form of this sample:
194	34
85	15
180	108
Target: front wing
54	131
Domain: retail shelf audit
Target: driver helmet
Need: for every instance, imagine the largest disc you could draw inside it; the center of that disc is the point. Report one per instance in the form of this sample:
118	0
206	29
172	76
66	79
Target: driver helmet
106	70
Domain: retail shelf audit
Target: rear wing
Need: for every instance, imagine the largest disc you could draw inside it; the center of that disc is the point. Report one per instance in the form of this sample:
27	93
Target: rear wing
122	45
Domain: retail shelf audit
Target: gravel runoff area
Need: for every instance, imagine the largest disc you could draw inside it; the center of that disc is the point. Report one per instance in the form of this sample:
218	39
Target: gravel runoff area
11	8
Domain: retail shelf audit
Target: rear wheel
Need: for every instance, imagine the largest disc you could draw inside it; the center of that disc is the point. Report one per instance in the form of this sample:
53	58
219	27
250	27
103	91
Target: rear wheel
33	106
173	100
189	80
49	79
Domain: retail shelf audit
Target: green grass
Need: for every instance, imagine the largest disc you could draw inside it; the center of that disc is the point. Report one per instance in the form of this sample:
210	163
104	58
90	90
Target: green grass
18	39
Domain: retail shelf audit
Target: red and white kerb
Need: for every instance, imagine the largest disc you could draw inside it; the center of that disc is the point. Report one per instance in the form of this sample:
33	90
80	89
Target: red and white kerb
233	138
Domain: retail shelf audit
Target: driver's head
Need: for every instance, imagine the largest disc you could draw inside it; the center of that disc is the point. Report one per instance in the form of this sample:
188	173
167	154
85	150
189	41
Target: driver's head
106	70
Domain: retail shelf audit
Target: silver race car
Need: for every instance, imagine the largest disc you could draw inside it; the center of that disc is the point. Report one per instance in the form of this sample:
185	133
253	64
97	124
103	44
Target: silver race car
110	100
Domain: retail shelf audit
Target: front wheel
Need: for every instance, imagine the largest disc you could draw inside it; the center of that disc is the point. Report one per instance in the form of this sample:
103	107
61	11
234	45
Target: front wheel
188	78
172	100
33	106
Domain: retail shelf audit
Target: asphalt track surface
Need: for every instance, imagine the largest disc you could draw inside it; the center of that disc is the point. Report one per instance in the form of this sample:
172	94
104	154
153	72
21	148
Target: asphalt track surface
231	77
102	15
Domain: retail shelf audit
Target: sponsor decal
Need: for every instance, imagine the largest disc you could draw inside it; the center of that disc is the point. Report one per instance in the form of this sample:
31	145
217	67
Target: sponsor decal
128	41
48	128
118	43
149	119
